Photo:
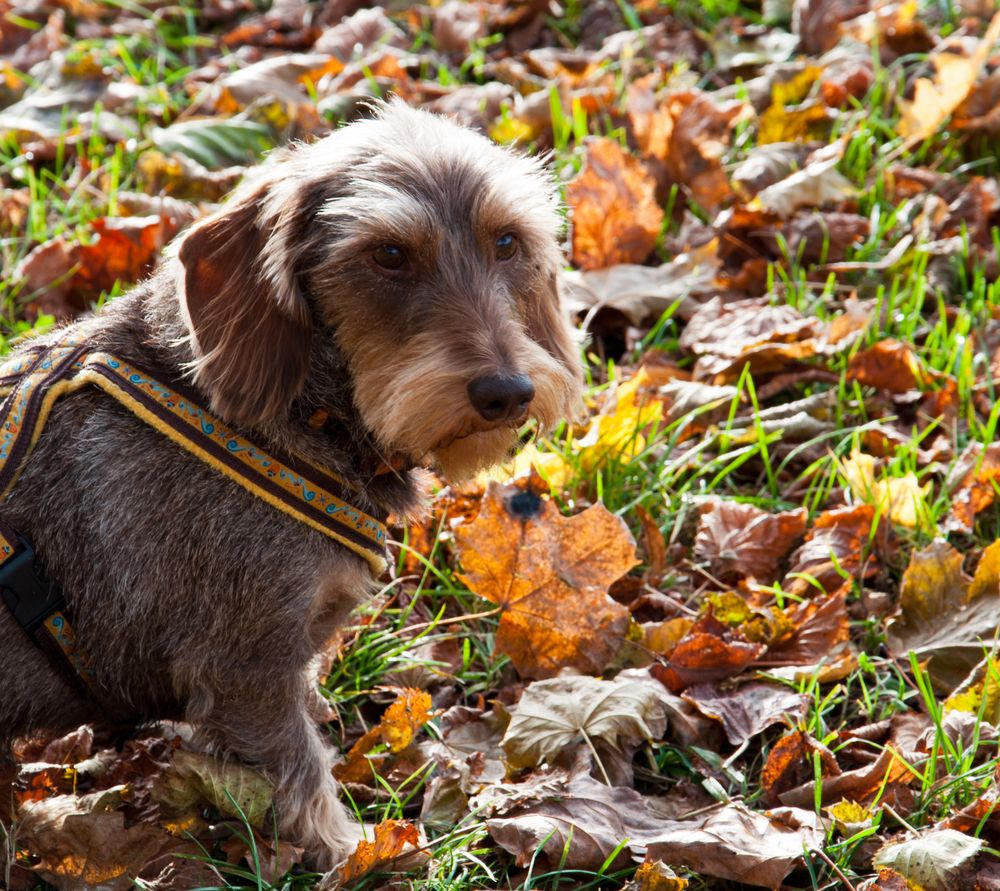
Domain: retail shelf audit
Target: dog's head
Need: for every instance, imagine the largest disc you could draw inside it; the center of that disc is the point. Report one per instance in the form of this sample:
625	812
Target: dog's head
426	252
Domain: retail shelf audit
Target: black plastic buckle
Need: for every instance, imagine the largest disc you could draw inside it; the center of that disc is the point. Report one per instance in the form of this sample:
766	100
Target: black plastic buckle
29	595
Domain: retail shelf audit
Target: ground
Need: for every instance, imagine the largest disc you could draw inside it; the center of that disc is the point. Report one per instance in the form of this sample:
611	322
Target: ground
733	628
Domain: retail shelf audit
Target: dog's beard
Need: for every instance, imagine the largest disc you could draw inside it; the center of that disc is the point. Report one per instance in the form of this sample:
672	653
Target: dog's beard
417	405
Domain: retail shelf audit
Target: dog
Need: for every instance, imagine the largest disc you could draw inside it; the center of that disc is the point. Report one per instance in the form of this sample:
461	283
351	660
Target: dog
380	299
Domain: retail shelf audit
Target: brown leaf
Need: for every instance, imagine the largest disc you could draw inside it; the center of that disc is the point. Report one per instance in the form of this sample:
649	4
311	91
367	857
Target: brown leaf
861	785
943	617
702	658
738	844
790	763
834	547
83	840
549	574
65	278
392	838
817	22
821	633
615	215
741	541
699	137
935	99
575	823
971	482
399	723
889	365
748	709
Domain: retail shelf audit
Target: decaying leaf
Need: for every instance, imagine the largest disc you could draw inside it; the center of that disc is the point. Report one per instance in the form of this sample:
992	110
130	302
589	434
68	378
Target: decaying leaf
742	541
615	215
64	278
193	779
399	723
888	365
737	844
833	551
931	859
655	875
943	616
934	100
748	709
577	822
549	574
83	840
392	840
557	714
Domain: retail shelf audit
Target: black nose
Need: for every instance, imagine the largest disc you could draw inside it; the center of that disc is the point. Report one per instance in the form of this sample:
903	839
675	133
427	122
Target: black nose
501	397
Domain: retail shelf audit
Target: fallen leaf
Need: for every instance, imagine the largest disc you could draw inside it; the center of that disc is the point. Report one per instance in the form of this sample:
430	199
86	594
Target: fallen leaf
643	293
410	710
64	278
834	550
818	183
655	876
549	574
607	716
929	860
902	498
82	840
943	616
935	99
748	709
737	844
741	541
575	823
193	780
971	484
704	657
614	212
392	840
888	365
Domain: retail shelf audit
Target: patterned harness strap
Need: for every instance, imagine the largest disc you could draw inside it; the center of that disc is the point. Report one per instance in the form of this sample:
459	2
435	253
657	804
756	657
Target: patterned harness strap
31	383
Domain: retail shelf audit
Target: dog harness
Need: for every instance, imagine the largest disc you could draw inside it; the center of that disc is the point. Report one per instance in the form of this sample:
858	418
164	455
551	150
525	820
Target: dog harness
29	385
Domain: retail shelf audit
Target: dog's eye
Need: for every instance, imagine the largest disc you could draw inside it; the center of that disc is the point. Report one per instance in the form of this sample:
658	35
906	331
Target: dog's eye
506	246
389	256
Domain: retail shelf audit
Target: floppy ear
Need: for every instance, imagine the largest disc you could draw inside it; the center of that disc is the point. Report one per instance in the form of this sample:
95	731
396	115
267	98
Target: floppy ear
249	325
548	324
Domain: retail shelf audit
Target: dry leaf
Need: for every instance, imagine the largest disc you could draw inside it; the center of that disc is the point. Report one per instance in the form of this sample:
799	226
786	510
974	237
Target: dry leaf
903	499
193	780
615	215
935	99
833	550
748	709
889	365
549	574
557	714
399	723
943	616
738	844
391	841
741	541
931	859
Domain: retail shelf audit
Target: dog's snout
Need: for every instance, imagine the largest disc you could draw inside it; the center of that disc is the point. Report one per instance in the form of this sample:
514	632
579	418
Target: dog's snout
501	397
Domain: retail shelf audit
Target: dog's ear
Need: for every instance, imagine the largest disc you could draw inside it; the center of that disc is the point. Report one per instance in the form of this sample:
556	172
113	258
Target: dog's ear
548	324
249	325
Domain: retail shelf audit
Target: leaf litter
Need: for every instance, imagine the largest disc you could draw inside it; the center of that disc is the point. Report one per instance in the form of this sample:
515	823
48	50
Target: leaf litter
734	628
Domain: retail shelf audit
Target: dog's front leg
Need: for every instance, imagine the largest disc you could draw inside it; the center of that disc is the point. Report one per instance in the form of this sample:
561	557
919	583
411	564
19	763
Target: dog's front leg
273	731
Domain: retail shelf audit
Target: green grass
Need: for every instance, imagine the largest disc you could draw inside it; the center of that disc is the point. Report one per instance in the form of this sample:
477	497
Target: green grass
741	457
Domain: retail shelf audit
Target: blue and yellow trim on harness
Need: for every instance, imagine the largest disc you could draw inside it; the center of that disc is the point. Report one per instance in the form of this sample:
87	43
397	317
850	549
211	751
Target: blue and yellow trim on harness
31	382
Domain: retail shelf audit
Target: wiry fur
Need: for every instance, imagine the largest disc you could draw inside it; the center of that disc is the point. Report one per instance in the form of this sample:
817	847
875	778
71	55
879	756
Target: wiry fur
193	598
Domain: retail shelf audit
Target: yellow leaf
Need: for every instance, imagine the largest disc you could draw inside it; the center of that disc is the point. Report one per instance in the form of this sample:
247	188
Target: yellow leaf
902	498
509	129
934	100
617	435
551	465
